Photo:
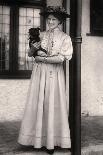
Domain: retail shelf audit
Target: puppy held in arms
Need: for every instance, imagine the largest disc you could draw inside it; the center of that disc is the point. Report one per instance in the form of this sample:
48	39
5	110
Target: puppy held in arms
35	43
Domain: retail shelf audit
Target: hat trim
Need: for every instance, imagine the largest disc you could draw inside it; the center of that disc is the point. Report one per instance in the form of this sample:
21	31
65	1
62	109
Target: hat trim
56	11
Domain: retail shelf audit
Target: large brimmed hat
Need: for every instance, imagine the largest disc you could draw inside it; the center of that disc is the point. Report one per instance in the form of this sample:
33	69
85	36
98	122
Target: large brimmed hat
55	10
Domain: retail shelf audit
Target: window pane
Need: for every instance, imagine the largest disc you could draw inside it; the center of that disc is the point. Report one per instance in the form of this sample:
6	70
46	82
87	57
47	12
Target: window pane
29	21
36	13
6	19
22	21
28	17
4	37
5	28
29	12
22	30
96	21
36	22
22	12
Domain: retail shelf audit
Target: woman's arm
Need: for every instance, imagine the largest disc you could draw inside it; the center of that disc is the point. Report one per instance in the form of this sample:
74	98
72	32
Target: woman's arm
41	53
51	59
33	50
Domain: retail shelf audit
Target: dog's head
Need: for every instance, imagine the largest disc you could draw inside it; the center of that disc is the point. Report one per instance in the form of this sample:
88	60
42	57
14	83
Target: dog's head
34	34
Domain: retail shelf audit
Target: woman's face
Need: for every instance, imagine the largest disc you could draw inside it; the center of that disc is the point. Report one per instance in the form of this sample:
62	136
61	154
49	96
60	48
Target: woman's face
52	22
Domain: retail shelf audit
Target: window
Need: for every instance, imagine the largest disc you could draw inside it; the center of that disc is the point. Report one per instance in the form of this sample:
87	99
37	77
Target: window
15	20
4	37
96	17
28	17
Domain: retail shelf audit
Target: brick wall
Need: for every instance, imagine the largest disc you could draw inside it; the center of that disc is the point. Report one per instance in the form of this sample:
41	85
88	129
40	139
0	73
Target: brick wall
12	99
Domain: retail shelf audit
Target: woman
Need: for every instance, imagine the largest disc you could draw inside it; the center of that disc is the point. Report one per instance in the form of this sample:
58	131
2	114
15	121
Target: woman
45	121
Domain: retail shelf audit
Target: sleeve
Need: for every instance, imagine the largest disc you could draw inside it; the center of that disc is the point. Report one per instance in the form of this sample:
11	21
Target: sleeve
66	50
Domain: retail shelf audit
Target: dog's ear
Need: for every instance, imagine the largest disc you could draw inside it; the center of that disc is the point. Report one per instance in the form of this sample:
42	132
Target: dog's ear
38	28
31	30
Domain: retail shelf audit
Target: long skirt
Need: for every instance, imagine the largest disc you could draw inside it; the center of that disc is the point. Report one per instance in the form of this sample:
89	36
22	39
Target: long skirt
45	121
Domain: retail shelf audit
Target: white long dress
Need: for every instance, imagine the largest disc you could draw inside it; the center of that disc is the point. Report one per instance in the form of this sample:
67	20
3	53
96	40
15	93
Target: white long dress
45	121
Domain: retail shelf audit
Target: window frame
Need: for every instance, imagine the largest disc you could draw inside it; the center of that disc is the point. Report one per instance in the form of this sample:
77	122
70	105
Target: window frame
93	31
13	72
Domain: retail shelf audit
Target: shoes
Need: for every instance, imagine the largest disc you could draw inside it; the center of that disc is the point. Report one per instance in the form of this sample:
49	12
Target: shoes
50	151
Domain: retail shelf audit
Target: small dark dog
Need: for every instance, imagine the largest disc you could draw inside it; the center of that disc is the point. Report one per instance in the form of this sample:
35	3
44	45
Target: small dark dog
34	37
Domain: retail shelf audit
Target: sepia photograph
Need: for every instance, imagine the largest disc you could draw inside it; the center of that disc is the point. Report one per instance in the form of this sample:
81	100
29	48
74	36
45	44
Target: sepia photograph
51	80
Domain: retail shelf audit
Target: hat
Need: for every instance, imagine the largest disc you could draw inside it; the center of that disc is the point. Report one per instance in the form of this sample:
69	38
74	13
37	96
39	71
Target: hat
55	10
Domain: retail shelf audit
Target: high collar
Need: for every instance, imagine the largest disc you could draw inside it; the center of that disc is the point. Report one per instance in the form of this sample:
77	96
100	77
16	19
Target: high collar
54	30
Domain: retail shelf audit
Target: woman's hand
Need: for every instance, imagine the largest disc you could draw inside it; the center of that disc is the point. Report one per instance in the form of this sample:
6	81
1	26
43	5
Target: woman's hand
38	59
41	59
31	51
41	53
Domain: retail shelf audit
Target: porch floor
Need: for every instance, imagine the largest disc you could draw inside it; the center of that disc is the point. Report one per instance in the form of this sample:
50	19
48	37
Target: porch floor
92	135
91	138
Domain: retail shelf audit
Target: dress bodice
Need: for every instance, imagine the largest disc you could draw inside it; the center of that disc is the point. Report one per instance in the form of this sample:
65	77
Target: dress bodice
57	43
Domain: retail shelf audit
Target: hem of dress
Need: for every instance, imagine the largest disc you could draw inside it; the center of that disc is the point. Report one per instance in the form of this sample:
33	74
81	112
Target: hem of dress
39	142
